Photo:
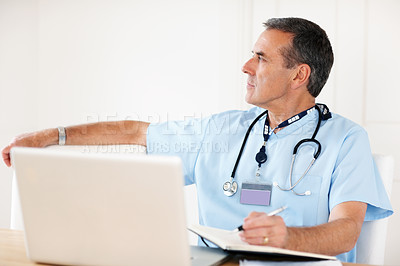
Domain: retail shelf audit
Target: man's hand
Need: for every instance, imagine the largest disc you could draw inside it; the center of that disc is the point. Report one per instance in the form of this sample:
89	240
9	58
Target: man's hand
261	229
337	236
36	139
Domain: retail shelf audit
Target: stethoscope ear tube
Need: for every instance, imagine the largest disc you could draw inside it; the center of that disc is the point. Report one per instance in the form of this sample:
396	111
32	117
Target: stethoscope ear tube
316	154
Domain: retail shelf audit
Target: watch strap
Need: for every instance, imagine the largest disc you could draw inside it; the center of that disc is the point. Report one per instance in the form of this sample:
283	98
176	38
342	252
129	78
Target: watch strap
62	136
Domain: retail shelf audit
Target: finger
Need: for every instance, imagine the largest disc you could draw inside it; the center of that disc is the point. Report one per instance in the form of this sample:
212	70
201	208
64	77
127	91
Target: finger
7	161
260	227
6	150
255	240
253	215
258	232
263	241
6	155
275	237
262	221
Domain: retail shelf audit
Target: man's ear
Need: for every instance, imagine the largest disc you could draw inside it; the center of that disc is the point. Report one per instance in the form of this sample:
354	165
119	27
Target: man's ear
301	75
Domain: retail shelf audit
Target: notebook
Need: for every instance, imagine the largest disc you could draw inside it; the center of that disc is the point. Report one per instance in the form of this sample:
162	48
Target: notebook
230	241
101	209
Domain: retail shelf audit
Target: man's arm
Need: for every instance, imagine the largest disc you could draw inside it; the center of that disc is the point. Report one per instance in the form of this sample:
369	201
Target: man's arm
337	236
102	133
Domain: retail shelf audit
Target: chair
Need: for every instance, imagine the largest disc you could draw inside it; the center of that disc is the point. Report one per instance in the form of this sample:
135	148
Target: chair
370	247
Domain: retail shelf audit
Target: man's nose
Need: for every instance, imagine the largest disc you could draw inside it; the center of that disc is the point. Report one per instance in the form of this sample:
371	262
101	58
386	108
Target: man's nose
248	67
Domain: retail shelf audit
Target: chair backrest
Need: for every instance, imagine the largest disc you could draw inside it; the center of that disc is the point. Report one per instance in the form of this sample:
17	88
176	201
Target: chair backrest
370	247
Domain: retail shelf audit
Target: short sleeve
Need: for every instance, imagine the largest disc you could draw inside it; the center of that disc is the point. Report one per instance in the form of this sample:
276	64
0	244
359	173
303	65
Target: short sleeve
356	178
178	138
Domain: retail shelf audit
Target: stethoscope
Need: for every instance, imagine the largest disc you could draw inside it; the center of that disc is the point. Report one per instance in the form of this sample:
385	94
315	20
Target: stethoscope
230	187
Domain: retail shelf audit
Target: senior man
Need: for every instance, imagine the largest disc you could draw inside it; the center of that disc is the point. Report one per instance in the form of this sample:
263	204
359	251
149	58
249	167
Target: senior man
330	186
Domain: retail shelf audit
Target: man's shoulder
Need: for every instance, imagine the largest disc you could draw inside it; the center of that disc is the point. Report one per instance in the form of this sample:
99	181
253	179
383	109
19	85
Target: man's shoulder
232	121
241	114
345	125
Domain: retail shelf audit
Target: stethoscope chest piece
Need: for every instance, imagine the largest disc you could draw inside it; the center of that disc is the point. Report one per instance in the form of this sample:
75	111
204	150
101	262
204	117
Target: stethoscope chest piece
230	188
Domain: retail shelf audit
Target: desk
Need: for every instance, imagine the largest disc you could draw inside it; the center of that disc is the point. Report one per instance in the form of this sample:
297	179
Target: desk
12	250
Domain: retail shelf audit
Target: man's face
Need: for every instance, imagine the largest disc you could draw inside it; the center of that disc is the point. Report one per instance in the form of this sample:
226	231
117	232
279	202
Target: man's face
269	80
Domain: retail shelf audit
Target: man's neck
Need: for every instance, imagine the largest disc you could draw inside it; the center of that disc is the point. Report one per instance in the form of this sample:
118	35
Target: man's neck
278	115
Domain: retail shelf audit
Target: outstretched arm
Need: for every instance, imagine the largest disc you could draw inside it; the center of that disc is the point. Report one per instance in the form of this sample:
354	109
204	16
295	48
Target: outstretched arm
102	133
337	236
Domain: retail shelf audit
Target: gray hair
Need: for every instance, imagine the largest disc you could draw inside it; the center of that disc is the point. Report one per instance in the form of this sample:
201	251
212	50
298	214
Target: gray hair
310	45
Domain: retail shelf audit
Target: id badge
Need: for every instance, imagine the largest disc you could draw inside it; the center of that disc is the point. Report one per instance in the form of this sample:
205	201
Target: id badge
256	194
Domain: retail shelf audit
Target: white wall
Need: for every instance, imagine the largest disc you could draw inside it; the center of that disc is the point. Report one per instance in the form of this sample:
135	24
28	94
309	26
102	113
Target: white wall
68	62
18	82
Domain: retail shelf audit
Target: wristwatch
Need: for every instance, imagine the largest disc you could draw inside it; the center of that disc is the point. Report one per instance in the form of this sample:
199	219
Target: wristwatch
61	135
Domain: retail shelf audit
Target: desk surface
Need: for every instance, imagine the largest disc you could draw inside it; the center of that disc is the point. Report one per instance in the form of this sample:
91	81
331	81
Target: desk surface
12	250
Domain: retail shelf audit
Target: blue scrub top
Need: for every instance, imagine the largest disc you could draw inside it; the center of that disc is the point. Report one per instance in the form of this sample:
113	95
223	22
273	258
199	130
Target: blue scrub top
344	171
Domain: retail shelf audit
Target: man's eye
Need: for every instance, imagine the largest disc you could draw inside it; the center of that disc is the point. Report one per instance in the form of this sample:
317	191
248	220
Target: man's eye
259	57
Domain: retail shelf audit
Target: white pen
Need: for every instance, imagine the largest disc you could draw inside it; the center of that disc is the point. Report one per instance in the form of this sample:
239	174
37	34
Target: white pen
275	212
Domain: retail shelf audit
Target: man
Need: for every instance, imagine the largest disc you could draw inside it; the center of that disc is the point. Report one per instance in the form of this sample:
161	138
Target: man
327	200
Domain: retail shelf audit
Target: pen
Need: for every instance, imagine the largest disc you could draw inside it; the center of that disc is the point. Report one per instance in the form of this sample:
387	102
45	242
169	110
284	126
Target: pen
240	228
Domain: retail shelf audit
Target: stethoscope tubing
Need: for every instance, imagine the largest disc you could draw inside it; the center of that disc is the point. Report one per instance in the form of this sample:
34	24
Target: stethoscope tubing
295	149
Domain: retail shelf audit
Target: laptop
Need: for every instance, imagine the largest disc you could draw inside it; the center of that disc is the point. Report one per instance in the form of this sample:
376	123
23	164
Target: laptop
103	209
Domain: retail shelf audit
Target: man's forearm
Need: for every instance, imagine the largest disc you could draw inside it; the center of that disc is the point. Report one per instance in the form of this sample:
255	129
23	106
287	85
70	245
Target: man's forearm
331	238
102	133
107	133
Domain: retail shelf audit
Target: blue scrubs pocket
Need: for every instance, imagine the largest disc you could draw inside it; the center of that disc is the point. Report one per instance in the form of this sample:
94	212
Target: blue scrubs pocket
302	210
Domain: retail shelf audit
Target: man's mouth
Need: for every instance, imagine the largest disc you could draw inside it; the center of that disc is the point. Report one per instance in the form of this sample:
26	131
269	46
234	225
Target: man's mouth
250	85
